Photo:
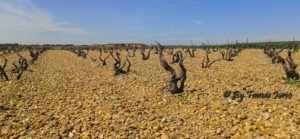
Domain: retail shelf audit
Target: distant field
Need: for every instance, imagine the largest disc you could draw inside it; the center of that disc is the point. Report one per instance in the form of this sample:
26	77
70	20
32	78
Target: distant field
255	45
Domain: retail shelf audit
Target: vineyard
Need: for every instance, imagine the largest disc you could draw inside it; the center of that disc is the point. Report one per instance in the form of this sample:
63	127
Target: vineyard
155	91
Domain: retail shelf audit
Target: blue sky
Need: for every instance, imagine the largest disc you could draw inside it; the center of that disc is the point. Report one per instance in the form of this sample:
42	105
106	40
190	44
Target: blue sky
147	21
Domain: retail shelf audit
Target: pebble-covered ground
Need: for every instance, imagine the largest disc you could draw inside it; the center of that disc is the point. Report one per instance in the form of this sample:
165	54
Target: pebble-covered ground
65	96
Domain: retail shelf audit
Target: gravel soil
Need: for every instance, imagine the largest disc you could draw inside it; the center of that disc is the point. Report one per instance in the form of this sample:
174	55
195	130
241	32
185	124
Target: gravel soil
62	95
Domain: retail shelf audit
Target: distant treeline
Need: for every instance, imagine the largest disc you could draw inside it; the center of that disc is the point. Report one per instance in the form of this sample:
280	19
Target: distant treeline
255	45
50	46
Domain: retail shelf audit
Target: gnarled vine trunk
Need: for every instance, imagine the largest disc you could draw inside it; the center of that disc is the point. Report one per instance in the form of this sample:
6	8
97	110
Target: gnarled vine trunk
173	88
2	71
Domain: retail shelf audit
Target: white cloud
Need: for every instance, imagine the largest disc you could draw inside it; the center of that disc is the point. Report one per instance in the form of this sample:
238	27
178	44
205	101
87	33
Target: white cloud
175	6
20	19
193	2
198	22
